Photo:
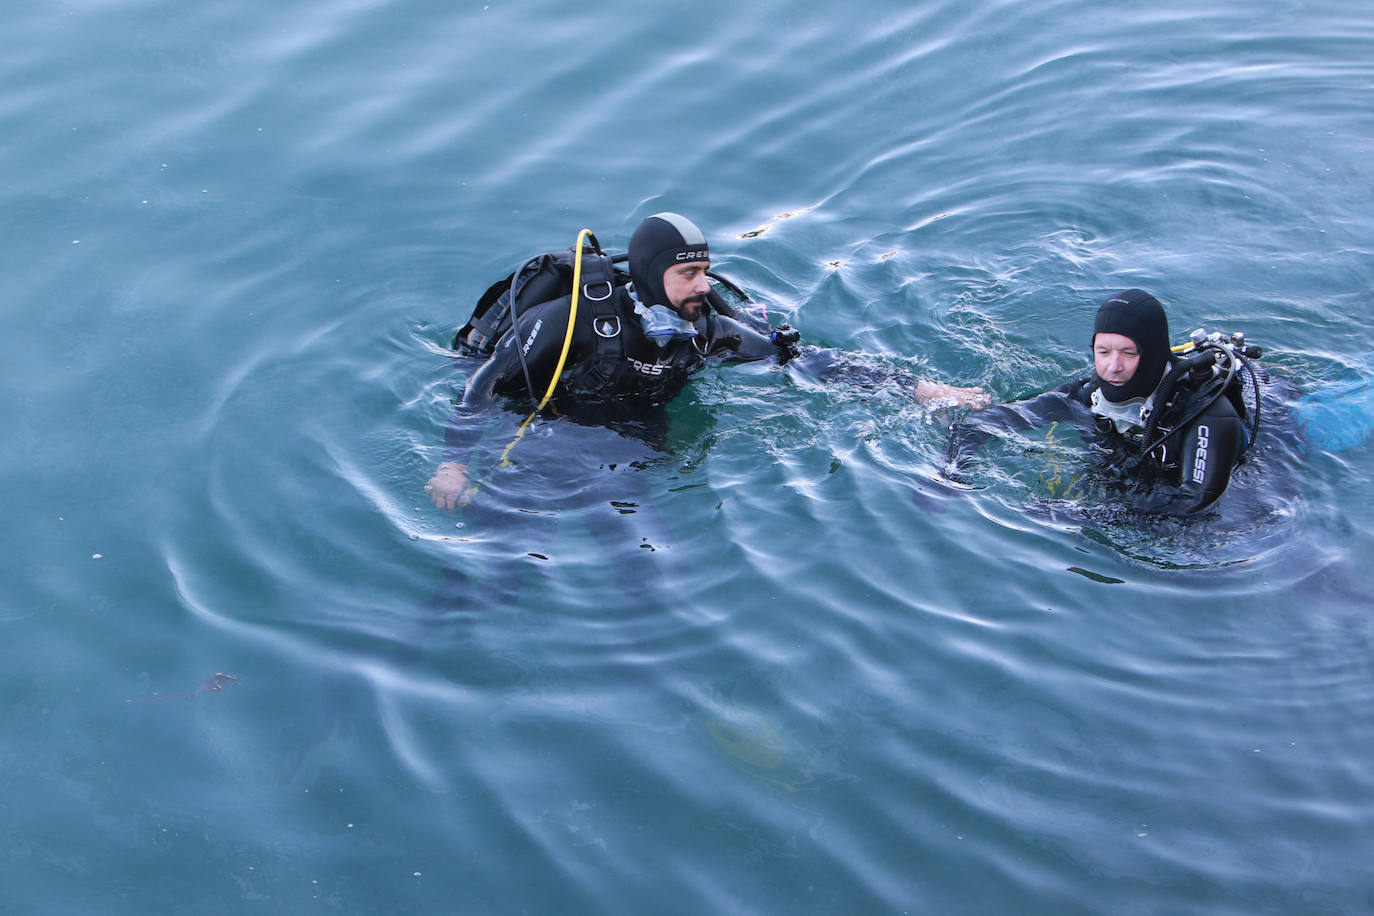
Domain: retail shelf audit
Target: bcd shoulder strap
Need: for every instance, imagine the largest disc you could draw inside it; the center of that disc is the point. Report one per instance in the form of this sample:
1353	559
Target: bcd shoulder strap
541	278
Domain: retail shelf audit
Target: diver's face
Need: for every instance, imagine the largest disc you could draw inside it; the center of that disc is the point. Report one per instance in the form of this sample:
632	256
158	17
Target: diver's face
1115	356
687	286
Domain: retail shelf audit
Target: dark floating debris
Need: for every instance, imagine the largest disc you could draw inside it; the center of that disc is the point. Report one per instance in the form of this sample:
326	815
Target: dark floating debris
1096	577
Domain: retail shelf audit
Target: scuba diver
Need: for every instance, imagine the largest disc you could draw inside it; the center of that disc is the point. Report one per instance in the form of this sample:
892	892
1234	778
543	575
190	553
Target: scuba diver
1168	428
617	348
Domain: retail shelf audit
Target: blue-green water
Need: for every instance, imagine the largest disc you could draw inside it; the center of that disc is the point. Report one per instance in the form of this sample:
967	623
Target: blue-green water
236	240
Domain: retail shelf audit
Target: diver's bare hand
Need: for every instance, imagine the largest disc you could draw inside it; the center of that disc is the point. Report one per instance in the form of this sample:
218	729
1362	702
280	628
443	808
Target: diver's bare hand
973	397
962	397
449	486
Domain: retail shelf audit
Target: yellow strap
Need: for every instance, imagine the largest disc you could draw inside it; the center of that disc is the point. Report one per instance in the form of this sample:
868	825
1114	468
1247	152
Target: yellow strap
567	345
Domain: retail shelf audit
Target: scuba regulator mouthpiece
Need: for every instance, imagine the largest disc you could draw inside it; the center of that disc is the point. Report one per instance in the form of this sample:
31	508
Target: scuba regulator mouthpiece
662	325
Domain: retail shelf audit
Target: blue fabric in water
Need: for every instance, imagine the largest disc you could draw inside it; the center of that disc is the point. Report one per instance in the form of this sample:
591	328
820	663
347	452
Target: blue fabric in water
1338	418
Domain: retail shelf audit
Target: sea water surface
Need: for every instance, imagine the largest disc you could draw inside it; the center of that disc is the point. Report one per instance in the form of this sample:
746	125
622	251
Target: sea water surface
246	667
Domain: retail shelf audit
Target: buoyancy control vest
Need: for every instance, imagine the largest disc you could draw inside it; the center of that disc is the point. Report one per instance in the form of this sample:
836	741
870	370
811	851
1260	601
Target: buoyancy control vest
541	278
606	304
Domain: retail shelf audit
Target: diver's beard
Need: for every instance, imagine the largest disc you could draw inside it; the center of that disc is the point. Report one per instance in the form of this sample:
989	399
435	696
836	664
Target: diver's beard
691	308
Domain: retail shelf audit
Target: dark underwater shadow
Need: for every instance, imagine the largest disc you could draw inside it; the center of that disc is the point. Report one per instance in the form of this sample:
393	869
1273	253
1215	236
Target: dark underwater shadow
561	571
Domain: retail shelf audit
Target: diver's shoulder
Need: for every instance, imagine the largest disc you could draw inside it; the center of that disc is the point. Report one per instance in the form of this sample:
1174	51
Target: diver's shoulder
1078	389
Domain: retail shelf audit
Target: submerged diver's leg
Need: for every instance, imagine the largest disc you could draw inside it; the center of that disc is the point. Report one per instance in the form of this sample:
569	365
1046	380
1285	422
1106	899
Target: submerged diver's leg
485	572
488	571
639	546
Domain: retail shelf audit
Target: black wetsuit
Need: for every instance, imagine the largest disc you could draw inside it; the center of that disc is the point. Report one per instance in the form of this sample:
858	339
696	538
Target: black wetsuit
1182	475
613	372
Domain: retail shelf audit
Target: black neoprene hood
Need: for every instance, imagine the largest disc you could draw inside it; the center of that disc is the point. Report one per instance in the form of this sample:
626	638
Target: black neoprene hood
1136	314
661	241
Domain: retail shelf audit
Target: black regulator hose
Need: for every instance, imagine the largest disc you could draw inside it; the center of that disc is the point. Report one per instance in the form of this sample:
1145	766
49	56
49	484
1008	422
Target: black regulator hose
1169	386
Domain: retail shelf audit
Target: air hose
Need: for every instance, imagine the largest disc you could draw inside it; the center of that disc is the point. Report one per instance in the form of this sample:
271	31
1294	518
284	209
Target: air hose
567	344
1209	348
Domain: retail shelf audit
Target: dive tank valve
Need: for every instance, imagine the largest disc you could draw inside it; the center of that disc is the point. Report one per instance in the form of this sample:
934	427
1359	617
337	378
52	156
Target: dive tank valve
1236	344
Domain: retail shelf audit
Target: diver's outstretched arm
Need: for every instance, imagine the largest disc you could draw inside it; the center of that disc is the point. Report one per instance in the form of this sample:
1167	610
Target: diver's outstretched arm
541	334
1067	403
827	365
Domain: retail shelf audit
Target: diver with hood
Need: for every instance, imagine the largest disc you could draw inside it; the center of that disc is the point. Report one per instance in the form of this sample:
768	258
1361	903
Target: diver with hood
634	346
1168	429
